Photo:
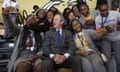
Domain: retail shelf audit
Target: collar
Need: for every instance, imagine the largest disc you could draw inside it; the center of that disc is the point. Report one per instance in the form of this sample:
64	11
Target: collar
59	30
80	33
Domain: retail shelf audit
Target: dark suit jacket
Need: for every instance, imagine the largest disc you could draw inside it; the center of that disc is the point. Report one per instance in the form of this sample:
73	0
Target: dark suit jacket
38	39
50	44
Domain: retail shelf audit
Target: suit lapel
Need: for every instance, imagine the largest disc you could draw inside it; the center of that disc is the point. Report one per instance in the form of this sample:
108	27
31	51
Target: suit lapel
63	36
55	37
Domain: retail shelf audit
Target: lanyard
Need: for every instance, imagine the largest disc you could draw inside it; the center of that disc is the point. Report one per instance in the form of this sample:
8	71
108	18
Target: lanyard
81	41
103	22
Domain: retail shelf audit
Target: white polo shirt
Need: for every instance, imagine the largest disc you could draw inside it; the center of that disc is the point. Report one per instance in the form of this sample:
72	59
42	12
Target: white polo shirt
112	21
12	4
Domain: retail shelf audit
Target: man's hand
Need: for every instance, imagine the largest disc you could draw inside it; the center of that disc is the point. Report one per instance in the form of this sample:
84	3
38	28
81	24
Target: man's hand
59	58
108	27
101	32
82	52
32	58
118	27
90	21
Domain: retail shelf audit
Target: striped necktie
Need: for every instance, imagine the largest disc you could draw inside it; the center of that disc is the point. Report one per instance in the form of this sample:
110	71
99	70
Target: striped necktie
83	41
59	37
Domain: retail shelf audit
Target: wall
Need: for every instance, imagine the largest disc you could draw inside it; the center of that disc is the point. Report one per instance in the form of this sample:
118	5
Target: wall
0	12
27	5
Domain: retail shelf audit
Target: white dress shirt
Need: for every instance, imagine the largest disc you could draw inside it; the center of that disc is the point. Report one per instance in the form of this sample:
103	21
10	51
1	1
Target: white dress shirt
65	54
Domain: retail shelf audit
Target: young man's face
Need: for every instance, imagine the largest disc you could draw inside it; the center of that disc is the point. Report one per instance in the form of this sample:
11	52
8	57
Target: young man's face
57	21
103	10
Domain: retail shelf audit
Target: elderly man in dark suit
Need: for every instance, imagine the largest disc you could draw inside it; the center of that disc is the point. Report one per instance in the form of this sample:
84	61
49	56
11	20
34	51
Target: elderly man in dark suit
30	48
59	47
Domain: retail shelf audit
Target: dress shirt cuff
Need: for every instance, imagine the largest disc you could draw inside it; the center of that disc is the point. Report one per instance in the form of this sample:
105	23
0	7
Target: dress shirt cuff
67	55
51	55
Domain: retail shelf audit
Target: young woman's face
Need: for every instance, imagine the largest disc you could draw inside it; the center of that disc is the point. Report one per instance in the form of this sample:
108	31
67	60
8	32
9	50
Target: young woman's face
50	16
71	16
84	10
76	11
41	14
76	26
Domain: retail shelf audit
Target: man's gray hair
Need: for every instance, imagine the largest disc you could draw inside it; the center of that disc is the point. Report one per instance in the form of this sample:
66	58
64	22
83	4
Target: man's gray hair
61	16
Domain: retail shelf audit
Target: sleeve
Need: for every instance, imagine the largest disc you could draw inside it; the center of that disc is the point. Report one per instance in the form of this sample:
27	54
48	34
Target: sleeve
97	23
4	5
95	13
17	6
71	44
93	34
46	44
82	20
118	21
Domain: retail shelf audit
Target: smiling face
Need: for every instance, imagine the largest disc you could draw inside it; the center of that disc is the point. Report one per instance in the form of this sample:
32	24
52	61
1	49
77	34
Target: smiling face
71	16
41	14
57	21
76	11
50	16
84	10
76	26
104	10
